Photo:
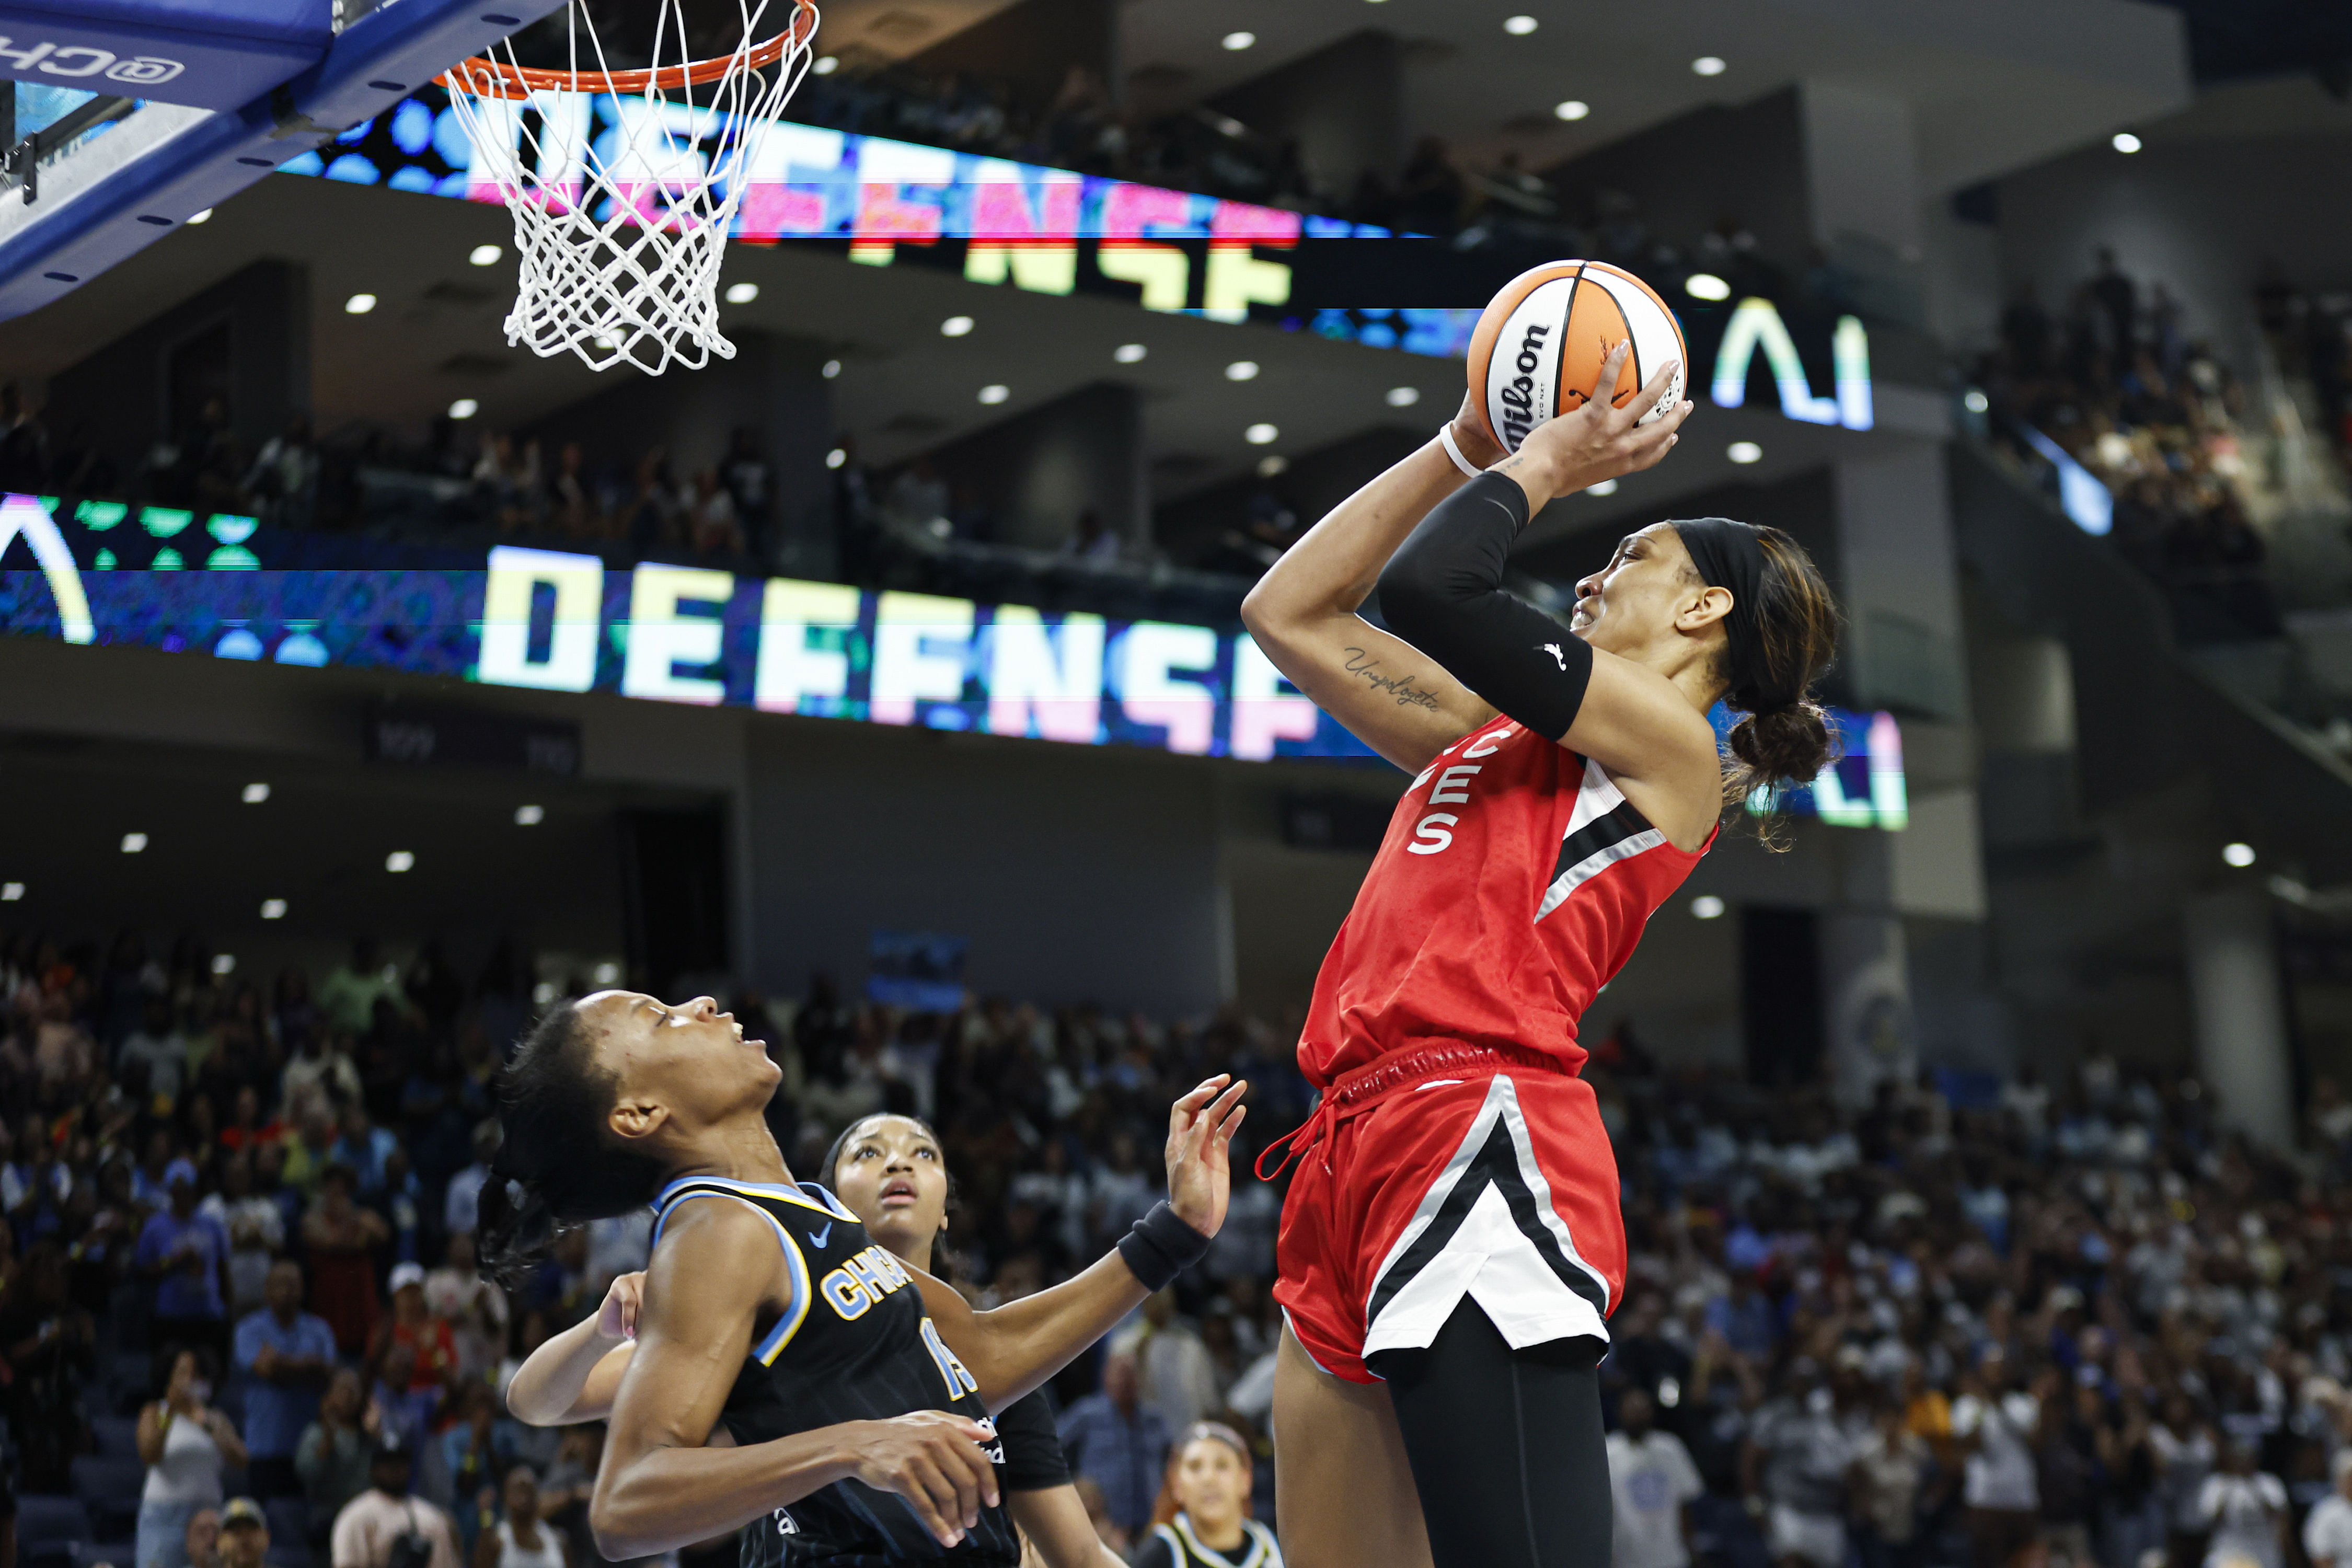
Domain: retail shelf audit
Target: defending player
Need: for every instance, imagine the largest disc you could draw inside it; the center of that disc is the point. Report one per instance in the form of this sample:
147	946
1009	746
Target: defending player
890	1172
1453	1226
854	1392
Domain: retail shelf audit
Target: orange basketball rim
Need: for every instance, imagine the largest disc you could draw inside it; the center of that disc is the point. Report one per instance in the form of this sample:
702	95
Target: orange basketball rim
489	78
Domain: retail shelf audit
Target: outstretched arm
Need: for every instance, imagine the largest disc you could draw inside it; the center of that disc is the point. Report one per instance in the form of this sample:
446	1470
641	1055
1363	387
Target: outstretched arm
664	1485
572	1376
1010	1350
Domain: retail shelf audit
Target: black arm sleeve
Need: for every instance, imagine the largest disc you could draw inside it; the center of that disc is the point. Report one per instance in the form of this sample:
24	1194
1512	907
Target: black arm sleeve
1033	1461
1442	592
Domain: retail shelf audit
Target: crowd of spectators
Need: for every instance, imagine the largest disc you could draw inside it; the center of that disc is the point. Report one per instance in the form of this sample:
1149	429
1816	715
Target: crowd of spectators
1971	1324
2115	382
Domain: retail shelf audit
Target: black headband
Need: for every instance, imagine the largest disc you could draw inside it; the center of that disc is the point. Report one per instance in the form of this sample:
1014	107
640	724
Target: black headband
1729	554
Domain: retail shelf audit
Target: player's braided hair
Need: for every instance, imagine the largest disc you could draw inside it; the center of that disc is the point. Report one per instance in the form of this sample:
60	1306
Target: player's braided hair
557	1167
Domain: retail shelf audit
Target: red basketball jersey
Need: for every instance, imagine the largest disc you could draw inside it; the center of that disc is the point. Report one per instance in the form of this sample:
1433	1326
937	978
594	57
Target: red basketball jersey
1513	882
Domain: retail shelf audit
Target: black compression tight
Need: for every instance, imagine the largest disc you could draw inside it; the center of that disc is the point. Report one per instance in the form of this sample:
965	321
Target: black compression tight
1505	1445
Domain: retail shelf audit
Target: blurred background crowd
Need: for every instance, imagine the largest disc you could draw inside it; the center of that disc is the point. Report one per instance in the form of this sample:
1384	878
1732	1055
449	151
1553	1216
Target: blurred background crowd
1971	1320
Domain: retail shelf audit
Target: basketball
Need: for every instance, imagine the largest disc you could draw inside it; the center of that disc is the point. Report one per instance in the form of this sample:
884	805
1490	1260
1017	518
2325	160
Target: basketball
1541	340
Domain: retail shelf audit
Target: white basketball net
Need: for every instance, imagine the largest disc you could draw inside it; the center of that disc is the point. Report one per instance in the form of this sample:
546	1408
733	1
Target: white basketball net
622	201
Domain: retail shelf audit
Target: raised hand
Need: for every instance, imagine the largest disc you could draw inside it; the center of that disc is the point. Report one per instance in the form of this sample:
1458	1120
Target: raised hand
618	1318
1573	451
934	1459
1200	1126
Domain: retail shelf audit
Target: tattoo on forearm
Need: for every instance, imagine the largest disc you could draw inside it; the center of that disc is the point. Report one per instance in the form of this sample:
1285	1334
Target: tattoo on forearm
1400	686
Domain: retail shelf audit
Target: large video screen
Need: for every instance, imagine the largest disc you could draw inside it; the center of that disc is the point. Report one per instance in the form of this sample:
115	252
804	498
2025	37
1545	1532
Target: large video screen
111	573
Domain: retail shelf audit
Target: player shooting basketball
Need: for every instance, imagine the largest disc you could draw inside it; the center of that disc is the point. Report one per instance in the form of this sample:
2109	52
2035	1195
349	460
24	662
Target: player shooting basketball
1453	1229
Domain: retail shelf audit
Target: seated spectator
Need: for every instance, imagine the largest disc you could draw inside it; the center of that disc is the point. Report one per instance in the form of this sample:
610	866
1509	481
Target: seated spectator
476	1451
202	1539
1178	1378
462	1198
243	1533
474	1309
366	1149
186	1443
47	1340
341	1238
1997	1424
569	1482
256	1226
290	1356
521	1539
348	995
160	1047
369	1532
186	1255
2328	1532
1652	1481
412	1324
1118	1442
2246	1509
334	1454
1890	1464
1796	1465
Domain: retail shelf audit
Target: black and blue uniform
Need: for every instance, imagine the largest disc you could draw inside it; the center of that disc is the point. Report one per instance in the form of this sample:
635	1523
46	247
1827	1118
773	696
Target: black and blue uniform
853	1345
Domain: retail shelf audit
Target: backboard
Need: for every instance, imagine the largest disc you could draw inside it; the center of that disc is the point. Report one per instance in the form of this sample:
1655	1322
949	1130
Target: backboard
180	104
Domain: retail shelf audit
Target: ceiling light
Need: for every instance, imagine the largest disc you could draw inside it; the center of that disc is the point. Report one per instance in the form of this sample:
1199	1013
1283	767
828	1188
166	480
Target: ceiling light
831	368
1129	353
11	892
224	964
1574	108
837	457
1707	65
1270	464
955	326
1403	396
1706	906
204	217
2124	141
273	909
1242	369
1260	435
608	974
359	304
529	815
1976	401
464	408
132	843
399	860
1519	27
2239	855
485	254
1605	488
1744	452
255	794
742	293
825	65
543	993
995	392
1706	286
1239	40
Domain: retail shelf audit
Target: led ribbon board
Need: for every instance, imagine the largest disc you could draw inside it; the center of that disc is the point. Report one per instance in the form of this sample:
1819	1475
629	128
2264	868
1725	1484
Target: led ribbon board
1053	232
1864	787
554	621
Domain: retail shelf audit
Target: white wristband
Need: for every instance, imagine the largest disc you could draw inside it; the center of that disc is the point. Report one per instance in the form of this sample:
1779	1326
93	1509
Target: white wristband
1446	435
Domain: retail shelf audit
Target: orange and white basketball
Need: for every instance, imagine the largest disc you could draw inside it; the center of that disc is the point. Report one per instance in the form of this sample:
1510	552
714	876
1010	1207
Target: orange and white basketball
1538	346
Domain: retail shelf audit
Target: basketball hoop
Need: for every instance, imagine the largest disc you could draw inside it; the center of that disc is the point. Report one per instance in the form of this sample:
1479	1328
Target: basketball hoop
621	233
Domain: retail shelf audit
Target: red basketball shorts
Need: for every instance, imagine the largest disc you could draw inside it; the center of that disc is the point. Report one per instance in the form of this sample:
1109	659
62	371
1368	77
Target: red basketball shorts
1446	1171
